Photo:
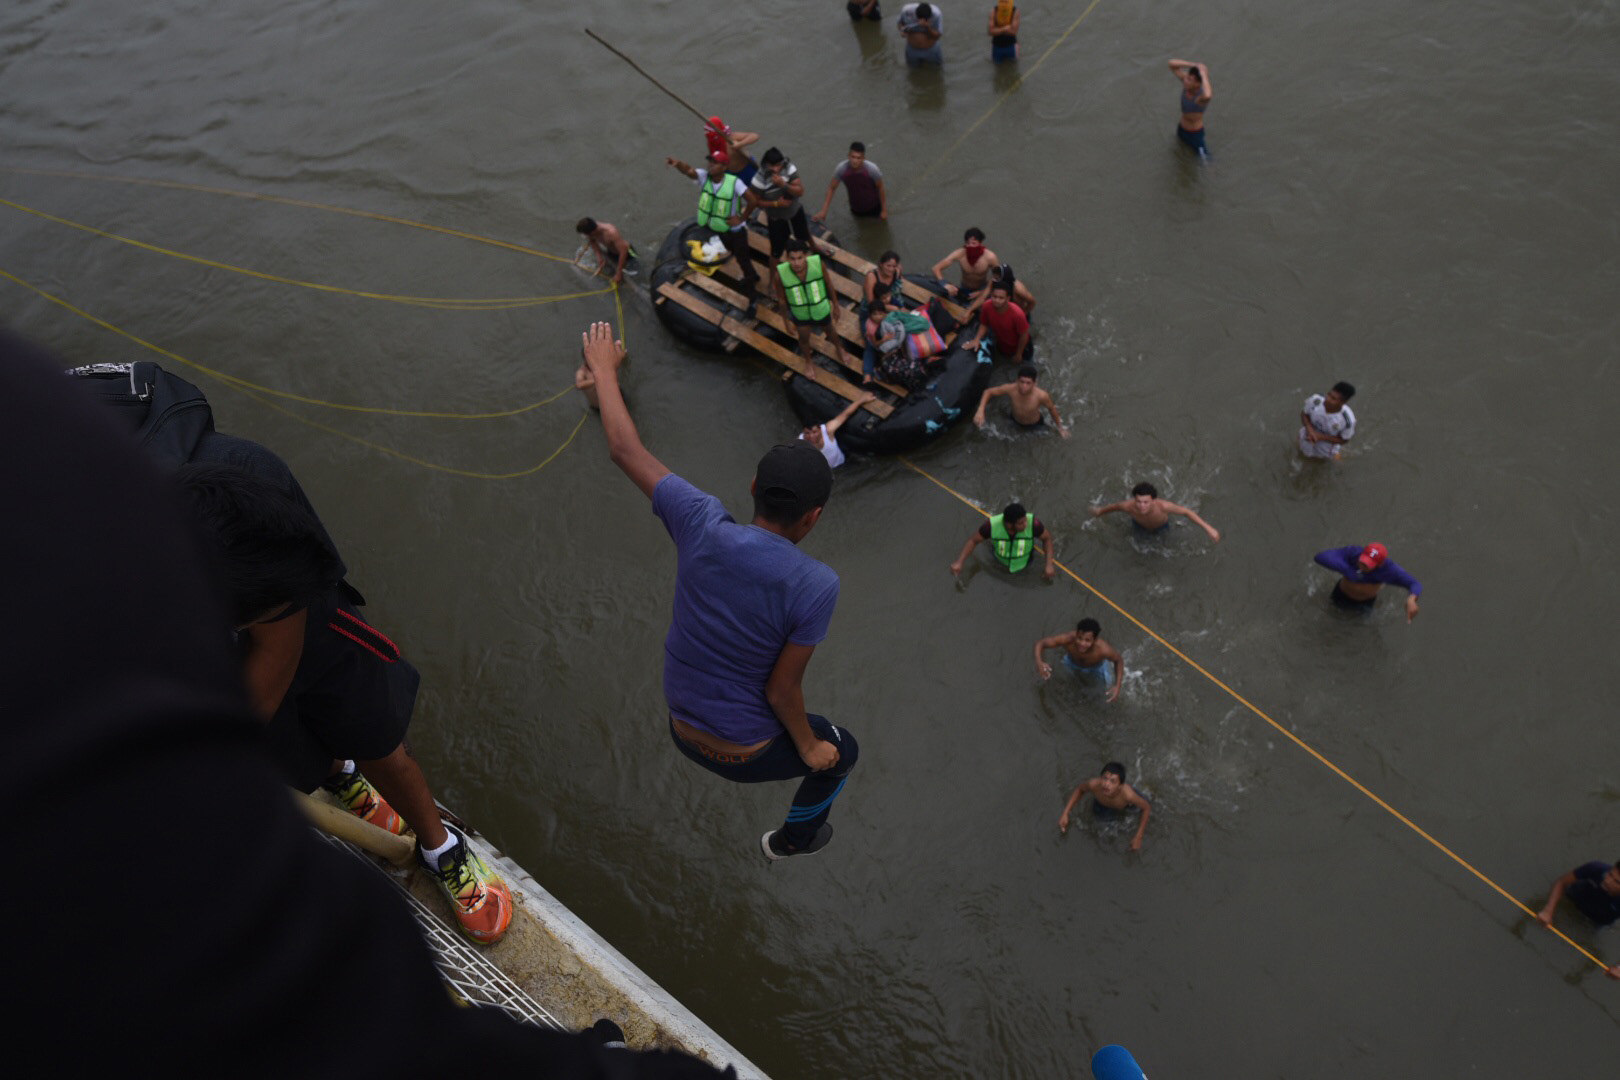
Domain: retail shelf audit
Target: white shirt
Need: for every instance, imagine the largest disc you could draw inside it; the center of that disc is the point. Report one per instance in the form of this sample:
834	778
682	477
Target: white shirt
829	448
1341	424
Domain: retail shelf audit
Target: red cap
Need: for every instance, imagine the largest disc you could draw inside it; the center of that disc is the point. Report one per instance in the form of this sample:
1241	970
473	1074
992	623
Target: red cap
1372	557
719	125
719	157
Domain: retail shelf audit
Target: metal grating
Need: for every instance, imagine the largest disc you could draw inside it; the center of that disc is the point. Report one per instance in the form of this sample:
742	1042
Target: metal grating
470	977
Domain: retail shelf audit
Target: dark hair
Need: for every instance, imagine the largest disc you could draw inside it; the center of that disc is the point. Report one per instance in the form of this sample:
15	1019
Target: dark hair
269	548
1192	70
1345	390
1145	488
858	146
890	254
586	225
1088	626
1029	370
796	244
1014	512
877	304
925	11
1116	768
771	156
1001	286
975	233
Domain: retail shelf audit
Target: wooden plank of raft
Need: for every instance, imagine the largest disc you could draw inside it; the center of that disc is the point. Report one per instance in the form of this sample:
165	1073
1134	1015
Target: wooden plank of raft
786	357
845	325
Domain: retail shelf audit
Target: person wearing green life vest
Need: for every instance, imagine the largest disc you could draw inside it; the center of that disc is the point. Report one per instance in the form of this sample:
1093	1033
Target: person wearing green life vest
1012	535
803	291
724	206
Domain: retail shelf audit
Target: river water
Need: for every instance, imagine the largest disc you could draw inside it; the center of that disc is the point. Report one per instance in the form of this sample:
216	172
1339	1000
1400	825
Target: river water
1416	198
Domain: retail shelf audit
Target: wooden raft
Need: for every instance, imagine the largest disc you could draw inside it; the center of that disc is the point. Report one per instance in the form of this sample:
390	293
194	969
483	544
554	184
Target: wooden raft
845	272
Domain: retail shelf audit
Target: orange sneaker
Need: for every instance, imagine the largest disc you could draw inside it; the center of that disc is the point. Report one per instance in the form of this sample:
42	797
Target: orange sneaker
482	902
355	793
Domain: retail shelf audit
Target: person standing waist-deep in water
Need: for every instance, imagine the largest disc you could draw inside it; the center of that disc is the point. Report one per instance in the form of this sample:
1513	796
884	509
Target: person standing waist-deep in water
1196	93
750	609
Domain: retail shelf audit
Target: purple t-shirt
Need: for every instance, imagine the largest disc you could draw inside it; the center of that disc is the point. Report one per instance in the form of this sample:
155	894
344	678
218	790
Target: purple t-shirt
741	594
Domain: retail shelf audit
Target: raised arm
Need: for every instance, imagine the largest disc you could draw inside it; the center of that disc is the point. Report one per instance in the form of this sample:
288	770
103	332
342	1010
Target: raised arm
1192	515
681	167
849	410
740	139
603	355
784	690
1056	641
1068	808
1209	88
1133	799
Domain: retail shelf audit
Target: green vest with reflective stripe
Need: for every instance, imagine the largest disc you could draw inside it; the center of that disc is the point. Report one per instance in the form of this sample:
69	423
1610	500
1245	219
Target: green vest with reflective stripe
1013	551
807	299
718	202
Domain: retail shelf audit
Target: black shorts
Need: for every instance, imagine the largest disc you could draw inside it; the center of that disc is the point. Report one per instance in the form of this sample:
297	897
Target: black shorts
352	696
781	229
1343	600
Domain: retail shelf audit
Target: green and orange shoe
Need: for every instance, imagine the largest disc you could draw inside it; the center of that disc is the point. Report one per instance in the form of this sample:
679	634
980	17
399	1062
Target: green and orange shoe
356	795
482	902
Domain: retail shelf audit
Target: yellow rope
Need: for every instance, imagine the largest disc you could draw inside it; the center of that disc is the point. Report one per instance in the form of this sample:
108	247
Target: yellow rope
443	303
243	384
530	471
1022	78
284	201
1295	739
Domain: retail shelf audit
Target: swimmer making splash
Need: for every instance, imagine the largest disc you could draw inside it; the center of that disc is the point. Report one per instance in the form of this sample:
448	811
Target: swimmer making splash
1196	93
1151	514
1112	796
1084	652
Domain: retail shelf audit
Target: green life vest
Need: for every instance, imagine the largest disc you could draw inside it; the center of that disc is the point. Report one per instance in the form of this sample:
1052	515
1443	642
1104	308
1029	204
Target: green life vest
807	299
1013	551
717	203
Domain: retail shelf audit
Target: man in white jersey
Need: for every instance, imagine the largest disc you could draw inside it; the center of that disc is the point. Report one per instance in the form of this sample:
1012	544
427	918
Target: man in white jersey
824	437
1326	422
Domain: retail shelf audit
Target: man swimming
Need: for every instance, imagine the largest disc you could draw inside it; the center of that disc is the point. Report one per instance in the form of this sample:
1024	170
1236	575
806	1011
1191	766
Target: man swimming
1084	651
1112	796
1152	514
1364	571
1025	399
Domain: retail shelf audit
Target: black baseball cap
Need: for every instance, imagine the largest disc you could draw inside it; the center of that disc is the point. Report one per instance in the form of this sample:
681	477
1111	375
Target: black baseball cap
792	479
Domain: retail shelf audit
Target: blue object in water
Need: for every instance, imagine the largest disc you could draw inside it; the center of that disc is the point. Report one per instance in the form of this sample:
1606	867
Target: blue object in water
1116	1063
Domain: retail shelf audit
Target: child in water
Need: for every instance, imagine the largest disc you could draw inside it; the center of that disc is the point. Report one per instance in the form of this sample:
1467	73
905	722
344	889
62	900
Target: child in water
1112	797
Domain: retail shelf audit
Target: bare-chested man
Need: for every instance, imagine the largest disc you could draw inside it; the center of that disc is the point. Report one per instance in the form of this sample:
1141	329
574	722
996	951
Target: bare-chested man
1151	514
976	263
1026	401
718	135
609	245
1112	797
1085	652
